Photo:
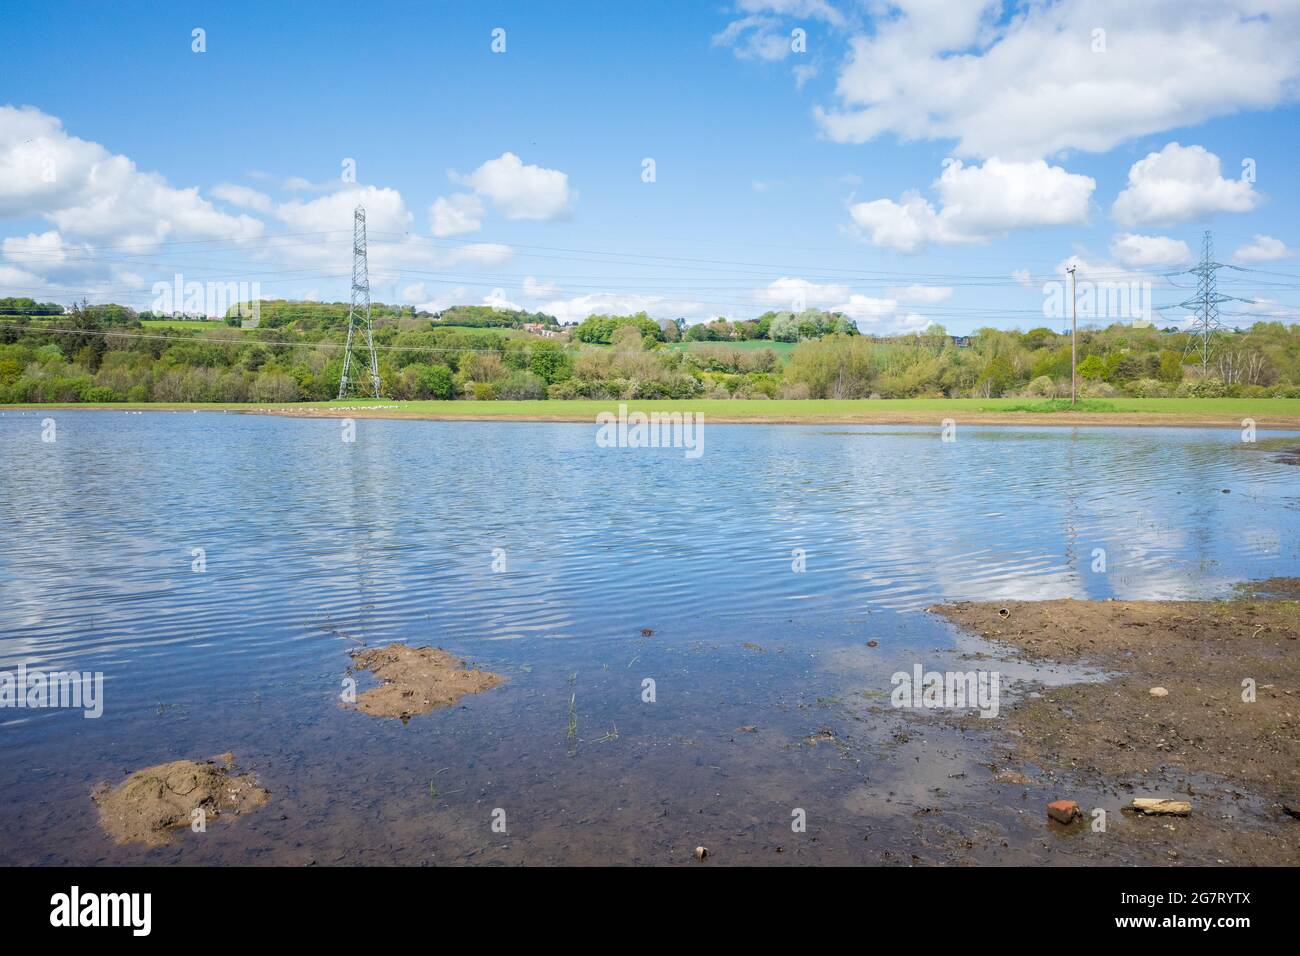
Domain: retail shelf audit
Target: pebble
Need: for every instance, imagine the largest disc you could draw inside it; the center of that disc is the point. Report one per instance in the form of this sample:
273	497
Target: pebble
1063	811
1155	806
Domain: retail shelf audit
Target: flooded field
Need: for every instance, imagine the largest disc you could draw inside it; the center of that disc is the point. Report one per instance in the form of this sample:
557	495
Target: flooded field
693	652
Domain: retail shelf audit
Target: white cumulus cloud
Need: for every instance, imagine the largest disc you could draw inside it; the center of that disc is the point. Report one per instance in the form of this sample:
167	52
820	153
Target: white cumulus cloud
1177	184
456	215
244	197
882	315
88	192
799	294
764	33
1028	80
977	202
1262	249
1140	252
925	294
619	303
536	289
498	299
521	191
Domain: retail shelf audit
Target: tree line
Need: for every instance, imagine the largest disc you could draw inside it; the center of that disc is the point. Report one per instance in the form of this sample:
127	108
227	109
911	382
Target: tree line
104	353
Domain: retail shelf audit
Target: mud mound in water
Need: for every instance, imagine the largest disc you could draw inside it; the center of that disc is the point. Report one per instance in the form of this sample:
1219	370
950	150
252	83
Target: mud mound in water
151	803
416	680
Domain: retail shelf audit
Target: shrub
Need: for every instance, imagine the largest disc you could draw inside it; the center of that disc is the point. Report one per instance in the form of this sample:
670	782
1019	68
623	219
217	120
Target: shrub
1092	367
99	393
837	366
1098	390
1146	388
522	386
563	391
1042	387
423	381
1202	388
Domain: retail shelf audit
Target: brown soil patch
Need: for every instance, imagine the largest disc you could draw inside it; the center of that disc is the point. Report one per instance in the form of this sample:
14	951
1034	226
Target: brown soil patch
1117	736
416	680
153	802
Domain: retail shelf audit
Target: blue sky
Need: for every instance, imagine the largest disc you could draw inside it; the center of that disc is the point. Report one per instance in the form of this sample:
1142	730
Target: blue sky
782	176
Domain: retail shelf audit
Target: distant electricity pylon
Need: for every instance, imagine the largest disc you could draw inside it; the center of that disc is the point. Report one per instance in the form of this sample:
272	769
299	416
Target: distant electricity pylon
1205	306
360	299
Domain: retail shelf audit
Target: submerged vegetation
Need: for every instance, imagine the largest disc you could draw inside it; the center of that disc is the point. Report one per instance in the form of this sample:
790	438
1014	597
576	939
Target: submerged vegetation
110	353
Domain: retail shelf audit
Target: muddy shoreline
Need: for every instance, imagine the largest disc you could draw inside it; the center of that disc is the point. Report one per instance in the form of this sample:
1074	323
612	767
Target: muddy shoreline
1202	706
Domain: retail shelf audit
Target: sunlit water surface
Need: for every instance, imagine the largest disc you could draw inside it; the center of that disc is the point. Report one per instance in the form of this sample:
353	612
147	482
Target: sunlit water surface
313	545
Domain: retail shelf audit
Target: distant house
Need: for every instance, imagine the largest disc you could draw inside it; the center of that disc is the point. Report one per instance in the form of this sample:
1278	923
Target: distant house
536	328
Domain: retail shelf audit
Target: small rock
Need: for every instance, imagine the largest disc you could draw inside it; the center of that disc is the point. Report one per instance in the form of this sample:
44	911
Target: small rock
749	729
1161	807
873	643
647	631
701	852
1158	692
1063	811
1010	776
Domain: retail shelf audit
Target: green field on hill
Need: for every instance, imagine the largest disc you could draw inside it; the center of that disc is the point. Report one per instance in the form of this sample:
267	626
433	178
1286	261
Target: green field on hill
192	326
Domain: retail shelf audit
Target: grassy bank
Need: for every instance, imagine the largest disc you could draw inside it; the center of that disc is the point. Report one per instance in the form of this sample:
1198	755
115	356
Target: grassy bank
1217	412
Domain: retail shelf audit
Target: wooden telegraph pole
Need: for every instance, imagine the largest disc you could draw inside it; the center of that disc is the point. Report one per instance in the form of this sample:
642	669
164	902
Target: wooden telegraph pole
1074	337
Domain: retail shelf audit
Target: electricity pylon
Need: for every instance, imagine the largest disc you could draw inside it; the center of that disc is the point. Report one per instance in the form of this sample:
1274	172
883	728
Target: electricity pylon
1205	306
360	299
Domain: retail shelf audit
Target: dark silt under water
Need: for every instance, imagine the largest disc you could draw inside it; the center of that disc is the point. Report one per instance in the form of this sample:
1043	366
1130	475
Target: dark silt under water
314	545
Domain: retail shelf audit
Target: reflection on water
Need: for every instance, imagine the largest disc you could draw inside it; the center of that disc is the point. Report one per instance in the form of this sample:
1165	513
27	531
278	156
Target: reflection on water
312	544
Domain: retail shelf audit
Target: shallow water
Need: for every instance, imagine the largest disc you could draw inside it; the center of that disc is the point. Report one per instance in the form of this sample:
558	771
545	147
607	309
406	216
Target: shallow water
313	545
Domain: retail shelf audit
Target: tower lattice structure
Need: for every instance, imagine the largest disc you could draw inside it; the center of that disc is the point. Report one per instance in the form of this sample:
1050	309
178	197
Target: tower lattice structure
1205	305
359	314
